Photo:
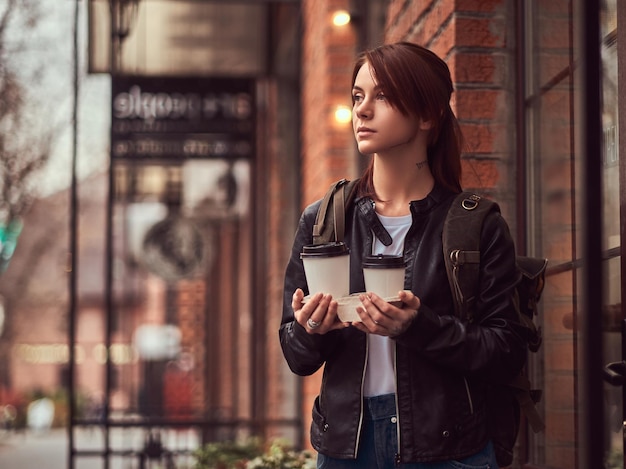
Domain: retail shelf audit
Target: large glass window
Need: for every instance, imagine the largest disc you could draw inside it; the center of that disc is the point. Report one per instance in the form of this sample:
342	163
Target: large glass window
556	225
178	320
611	299
551	167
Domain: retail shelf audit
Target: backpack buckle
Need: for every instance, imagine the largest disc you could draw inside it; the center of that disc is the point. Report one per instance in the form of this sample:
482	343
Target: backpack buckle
471	202
454	257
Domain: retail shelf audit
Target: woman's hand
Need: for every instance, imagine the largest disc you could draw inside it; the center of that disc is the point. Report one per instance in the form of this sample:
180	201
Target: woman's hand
318	315
382	318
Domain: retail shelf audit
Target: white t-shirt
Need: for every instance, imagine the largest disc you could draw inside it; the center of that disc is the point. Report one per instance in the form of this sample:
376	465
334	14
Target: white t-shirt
379	372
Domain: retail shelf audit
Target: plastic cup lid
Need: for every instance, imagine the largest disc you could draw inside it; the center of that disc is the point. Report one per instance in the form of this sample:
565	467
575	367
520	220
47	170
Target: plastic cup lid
324	250
383	261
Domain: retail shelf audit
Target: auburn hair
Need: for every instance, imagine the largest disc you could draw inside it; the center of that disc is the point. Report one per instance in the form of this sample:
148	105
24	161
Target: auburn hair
418	83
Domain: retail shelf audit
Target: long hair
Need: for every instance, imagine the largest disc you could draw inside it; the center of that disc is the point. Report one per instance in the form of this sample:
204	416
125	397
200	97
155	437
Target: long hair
418	83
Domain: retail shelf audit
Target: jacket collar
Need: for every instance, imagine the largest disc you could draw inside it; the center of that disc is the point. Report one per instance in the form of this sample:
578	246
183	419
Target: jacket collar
433	199
365	205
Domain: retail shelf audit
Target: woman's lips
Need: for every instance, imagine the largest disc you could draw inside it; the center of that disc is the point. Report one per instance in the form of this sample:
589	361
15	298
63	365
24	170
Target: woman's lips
364	131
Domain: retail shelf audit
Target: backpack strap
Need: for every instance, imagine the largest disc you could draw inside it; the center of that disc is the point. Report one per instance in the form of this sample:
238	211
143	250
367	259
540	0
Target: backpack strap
336	201
527	398
339	216
461	248
533	270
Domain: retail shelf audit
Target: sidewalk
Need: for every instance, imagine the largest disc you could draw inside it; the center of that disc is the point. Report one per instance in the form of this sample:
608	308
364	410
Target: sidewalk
49	450
26	450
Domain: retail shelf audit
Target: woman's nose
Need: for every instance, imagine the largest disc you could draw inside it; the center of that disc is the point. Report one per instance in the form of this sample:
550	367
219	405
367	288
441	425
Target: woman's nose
362	109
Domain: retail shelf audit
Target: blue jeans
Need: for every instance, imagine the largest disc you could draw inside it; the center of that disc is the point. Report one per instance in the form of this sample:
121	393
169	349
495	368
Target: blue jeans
379	444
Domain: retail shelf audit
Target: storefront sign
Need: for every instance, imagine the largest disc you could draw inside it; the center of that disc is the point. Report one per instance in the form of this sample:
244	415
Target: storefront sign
179	118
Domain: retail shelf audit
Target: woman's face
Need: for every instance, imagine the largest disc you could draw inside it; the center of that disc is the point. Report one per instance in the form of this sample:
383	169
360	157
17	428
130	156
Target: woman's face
378	126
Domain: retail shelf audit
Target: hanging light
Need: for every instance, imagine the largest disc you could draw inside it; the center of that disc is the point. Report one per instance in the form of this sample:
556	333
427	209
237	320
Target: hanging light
343	114
341	18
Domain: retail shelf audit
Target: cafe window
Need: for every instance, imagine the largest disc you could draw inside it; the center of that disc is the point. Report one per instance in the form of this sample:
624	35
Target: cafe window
555	224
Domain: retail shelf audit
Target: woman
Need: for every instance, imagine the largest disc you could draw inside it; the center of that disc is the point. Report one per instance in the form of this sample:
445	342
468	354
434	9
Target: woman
404	387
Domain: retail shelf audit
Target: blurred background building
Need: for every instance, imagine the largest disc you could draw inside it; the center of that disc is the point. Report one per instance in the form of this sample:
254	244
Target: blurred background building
225	119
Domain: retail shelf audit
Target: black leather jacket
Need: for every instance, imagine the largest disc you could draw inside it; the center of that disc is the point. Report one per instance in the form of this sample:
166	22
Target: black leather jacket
441	362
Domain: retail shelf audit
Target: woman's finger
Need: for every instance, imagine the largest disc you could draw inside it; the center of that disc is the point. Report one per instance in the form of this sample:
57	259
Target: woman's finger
409	300
383	318
296	299
319	314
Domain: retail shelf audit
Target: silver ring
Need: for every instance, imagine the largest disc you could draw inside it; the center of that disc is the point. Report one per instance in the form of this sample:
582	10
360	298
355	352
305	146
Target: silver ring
312	324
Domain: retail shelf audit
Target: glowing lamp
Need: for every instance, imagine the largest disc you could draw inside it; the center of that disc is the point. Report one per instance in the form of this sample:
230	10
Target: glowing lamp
341	18
343	114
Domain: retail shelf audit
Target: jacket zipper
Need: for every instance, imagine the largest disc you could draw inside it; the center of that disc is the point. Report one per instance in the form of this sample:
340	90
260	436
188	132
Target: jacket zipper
358	432
397	459
469	396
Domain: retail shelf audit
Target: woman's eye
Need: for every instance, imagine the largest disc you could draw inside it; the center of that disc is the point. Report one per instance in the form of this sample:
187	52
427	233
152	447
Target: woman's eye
381	96
357	98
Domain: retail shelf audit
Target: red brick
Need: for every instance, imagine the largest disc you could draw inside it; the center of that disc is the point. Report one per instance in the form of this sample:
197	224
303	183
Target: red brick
445	40
393	11
328	56
400	30
479	138
475	103
478	68
478	32
341	60
479	174
479	5
436	19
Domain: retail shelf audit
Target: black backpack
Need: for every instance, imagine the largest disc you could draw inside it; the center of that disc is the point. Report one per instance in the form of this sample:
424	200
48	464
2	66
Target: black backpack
461	239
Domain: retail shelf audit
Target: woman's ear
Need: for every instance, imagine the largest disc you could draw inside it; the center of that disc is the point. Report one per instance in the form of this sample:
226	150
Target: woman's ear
426	125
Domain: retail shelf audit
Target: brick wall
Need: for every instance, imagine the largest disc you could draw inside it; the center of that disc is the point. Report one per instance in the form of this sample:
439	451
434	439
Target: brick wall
328	55
474	39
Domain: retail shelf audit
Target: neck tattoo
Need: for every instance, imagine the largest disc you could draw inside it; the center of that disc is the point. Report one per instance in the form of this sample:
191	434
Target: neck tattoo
421	164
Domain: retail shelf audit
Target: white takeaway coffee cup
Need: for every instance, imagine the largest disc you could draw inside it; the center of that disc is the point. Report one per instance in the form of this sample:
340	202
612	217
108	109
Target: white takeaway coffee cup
384	274
327	268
